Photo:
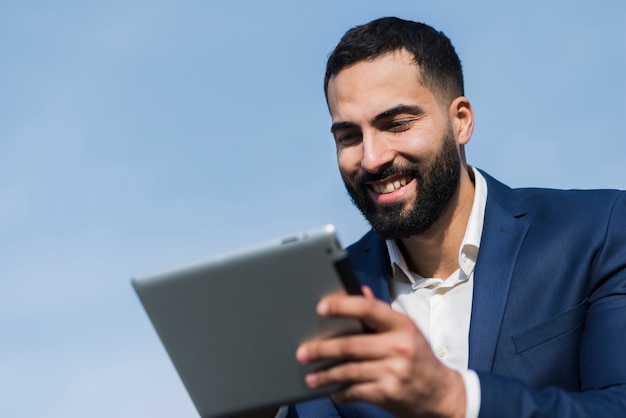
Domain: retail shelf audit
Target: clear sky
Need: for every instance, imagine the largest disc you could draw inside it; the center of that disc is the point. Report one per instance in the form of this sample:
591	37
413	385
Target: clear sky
137	135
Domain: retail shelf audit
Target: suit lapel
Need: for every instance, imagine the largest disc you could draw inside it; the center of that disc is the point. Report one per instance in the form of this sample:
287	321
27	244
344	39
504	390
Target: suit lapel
503	233
370	262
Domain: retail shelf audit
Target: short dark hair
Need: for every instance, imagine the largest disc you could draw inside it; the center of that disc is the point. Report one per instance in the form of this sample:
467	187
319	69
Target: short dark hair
439	65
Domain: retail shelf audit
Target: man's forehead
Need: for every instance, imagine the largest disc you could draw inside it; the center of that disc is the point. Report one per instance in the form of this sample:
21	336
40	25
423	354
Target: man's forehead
370	87
388	70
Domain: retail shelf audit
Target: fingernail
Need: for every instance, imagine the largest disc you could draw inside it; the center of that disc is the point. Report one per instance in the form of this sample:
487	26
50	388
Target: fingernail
302	354
323	308
311	379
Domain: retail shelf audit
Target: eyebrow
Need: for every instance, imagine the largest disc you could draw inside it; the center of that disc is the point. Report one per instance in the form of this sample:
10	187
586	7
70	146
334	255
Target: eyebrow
398	110
338	126
389	113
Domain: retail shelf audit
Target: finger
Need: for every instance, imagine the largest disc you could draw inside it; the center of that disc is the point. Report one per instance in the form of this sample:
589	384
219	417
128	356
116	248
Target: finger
361	346
370	391
367	292
345	373
375	314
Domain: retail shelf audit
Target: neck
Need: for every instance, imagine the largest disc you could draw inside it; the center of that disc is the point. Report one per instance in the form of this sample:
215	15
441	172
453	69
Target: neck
435	253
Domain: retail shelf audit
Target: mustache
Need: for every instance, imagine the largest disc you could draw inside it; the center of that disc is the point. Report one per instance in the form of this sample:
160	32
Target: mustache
412	170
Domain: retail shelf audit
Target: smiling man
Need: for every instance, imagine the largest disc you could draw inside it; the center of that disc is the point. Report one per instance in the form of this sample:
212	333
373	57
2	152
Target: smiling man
483	300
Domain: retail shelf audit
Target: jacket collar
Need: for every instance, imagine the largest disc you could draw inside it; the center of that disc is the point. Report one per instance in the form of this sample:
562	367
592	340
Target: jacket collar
504	230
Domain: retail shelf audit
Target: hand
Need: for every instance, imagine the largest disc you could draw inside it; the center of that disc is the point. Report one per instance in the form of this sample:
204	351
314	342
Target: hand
392	367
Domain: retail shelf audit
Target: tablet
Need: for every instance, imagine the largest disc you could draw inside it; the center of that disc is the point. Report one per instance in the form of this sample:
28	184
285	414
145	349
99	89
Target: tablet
231	324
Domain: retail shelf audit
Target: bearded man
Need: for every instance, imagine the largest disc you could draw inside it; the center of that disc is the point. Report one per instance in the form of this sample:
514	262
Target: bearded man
482	300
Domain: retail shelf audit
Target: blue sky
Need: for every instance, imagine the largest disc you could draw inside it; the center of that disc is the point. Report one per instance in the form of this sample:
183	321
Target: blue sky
141	135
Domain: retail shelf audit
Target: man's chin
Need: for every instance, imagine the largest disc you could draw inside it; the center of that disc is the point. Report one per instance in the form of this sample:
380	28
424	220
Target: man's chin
389	227
397	211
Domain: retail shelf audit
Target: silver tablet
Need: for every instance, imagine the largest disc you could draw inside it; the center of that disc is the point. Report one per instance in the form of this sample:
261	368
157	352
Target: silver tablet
231	324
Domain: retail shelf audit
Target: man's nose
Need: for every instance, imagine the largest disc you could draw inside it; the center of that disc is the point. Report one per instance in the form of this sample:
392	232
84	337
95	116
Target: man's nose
377	153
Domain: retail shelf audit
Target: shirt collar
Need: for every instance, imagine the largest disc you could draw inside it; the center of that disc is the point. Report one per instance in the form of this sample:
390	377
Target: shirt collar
468	252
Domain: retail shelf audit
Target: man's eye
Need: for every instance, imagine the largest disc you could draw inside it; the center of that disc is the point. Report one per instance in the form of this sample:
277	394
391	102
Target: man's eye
399	125
348	139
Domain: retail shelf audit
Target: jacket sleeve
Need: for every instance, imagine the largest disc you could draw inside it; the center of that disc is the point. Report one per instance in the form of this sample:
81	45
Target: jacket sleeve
322	407
505	397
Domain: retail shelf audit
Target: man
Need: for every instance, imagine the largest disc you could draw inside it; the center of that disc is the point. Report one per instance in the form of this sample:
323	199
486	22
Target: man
489	301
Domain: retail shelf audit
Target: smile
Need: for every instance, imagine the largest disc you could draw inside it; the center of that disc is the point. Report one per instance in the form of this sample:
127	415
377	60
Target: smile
390	185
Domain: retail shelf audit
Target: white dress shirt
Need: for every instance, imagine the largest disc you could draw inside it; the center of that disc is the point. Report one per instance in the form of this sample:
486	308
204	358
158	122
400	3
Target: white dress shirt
441	307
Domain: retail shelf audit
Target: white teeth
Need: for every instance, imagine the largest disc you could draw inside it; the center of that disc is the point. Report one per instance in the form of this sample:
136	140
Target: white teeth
390	187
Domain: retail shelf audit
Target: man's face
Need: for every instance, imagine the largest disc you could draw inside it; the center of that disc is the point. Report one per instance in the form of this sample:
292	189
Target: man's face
396	149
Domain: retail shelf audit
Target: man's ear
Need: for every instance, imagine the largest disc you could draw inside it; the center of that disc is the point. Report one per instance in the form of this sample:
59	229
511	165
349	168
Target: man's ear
461	117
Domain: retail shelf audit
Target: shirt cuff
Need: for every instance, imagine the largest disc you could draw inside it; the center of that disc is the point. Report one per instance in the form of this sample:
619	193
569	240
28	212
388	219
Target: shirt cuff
472	393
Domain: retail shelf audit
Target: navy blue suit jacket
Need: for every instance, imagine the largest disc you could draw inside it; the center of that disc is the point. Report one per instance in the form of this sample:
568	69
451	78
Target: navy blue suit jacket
548	327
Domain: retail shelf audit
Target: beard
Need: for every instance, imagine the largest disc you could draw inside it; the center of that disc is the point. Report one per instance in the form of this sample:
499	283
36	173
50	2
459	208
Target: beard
436	183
